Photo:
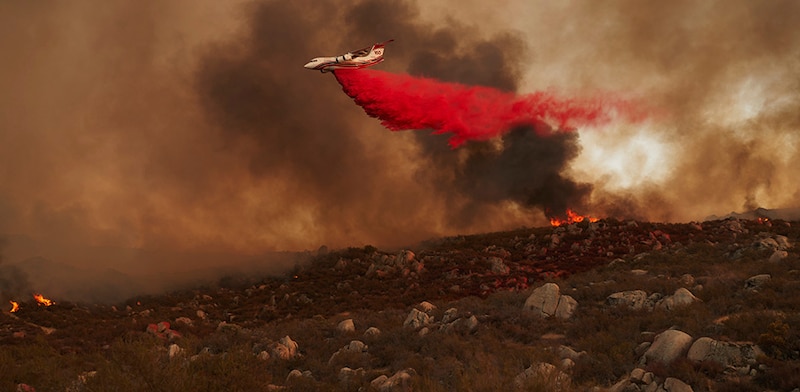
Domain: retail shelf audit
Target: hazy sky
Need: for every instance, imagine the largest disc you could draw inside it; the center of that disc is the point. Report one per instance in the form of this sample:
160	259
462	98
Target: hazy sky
192	125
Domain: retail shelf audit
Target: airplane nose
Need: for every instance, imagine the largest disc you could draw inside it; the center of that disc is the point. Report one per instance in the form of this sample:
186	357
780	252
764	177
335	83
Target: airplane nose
310	65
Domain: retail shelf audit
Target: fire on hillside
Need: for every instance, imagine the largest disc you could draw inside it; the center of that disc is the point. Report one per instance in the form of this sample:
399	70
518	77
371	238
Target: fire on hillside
42	301
571	217
14	307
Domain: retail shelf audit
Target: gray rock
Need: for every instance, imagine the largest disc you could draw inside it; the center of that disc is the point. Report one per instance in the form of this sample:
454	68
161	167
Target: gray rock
404	258
547	301
766	244
346	326
449	315
726	354
426	306
778	255
464	325
417	319
667	347
637	375
184	320
378	381
642	348
355	346
672	384
544	300
681	297
400	381
296	375
350	377
565	352
783	242
372	332
285	349
566	307
757	281
174	350
542	371
635	299
498	266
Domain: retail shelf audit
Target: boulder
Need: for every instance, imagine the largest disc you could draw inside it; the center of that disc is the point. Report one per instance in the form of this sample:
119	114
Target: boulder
757	281
778	255
449	315
350	377
667	347
285	349
372	332
426	306
355	346
405	257
681	297
184	321
542	372
783	242
174	350
464	325
726	354
547	301
498	266
417	319
296	375
766	244
565	352
400	381
346	326
634	299
566	307
163	331
672	384
637	376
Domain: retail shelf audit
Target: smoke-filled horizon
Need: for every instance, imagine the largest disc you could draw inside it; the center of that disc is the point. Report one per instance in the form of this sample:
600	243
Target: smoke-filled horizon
192	125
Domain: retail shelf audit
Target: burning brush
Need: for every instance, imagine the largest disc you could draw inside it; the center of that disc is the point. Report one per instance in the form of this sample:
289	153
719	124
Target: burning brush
571	217
42	301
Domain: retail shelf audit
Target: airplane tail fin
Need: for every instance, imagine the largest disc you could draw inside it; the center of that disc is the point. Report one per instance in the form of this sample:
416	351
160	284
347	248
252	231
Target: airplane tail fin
382	44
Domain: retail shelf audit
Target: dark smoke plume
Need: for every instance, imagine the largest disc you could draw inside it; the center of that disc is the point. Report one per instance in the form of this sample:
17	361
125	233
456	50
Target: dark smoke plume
140	136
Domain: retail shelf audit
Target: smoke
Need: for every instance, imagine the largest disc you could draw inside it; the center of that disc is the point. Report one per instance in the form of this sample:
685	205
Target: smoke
725	76
191	127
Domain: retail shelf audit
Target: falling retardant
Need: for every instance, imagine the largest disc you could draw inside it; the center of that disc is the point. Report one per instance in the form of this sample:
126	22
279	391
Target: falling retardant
405	102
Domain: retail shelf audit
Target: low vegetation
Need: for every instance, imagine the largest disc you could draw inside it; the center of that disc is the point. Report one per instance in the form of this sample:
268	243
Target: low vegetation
229	329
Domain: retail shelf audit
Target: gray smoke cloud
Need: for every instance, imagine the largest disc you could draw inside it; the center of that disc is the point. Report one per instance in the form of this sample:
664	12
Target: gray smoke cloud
190	127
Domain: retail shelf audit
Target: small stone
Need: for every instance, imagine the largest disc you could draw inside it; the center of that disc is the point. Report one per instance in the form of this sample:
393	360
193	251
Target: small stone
174	350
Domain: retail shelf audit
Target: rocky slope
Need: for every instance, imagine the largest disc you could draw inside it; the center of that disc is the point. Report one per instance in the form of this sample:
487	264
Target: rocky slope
623	306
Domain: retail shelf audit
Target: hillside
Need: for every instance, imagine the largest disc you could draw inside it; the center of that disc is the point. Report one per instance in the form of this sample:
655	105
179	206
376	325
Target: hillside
709	306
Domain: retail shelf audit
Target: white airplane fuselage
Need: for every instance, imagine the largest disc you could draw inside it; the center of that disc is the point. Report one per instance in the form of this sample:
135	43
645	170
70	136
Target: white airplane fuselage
362	58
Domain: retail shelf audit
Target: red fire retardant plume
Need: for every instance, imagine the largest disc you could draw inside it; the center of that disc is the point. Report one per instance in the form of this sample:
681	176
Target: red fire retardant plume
404	102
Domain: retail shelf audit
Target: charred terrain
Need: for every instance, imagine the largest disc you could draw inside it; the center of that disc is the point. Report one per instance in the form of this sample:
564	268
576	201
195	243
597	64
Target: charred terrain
473	312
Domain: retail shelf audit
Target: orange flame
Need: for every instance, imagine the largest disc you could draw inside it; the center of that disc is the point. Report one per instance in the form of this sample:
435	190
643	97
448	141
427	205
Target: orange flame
14	306
572	217
42	300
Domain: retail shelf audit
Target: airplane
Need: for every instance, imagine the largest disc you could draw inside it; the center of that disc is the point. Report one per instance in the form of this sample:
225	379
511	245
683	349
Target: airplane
361	58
